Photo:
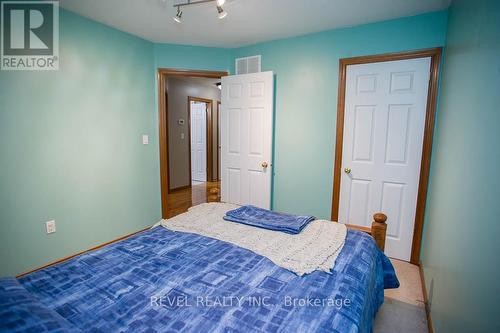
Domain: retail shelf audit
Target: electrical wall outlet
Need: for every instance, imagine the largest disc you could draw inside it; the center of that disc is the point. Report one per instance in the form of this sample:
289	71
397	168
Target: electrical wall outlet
50	226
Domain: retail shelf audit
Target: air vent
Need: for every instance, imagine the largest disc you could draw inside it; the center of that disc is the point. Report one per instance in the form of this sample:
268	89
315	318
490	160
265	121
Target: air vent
248	65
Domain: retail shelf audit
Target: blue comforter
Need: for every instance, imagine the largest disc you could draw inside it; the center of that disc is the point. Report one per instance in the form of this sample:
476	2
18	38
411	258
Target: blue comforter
267	219
160	281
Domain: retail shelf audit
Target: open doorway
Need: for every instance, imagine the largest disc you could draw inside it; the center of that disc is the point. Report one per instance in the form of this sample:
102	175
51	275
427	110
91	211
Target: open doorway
189	144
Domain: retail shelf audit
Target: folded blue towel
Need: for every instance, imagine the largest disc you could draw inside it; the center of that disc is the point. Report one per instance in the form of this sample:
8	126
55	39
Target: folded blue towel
263	218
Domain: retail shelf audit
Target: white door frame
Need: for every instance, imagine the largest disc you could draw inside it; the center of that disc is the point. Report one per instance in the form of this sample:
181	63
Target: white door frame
435	55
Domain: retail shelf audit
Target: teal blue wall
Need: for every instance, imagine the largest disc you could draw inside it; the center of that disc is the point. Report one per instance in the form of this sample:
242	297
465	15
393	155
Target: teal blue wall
71	139
71	142
192	57
306	71
71	147
461	246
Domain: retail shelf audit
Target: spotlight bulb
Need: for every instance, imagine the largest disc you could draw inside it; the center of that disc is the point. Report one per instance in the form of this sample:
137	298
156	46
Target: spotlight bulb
178	17
221	12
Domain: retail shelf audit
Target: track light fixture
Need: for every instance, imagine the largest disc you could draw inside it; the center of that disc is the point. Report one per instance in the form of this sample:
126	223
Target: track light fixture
221	12
178	17
219	3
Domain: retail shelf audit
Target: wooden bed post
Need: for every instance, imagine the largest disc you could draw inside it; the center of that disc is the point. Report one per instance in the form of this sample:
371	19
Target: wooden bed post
379	229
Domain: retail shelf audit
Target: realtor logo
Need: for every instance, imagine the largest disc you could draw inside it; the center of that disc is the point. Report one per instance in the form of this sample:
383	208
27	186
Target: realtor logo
30	35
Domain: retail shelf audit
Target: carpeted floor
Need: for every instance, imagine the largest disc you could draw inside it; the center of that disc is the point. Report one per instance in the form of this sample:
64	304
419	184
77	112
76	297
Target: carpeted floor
403	309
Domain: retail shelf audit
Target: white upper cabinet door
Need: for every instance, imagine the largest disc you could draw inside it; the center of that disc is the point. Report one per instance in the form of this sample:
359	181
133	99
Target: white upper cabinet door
246	139
385	108
198	123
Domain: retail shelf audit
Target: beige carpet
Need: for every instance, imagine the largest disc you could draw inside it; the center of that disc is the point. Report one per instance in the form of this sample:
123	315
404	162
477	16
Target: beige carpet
410	289
403	309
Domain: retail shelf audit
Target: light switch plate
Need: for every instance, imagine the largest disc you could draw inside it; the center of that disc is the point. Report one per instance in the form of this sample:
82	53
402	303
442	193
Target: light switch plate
145	139
50	226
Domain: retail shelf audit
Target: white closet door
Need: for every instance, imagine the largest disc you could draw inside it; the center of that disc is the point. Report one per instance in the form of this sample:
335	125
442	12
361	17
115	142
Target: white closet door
385	107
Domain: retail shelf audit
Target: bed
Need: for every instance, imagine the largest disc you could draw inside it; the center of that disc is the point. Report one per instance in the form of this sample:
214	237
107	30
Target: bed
166	281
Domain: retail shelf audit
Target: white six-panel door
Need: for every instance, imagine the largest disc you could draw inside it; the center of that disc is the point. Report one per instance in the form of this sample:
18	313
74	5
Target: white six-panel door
246	138
385	107
198	123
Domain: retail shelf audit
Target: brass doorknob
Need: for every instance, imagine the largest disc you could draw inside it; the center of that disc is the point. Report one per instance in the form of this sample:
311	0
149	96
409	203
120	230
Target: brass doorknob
347	170
264	165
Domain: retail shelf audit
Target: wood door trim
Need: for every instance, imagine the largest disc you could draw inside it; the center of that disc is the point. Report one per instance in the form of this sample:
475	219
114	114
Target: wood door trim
217	178
209	143
162	74
435	55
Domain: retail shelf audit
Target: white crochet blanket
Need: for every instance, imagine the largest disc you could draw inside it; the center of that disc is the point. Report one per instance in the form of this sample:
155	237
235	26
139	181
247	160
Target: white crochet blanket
315	248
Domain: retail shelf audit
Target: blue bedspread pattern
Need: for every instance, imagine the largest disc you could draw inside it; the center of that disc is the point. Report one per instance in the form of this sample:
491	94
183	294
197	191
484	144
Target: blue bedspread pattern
165	281
263	218
21	311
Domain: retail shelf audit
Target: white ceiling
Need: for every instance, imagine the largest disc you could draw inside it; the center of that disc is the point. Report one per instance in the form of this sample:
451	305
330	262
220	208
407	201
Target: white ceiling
248	21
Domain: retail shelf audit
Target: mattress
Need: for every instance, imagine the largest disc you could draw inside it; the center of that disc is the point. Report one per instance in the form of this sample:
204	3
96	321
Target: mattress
165	281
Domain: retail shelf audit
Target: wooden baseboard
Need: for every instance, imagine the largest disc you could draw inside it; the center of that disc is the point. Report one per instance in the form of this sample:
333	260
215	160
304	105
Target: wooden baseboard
426	298
82	252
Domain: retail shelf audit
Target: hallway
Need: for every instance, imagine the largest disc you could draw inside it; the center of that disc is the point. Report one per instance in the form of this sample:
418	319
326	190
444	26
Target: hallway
179	201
